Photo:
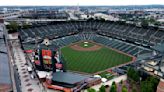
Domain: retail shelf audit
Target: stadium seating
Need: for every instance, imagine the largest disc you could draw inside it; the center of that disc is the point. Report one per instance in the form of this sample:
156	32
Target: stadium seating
103	32
113	43
128	32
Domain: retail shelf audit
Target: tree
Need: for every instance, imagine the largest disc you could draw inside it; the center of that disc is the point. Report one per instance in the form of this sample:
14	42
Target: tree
134	90
91	90
102	88
130	72
124	89
157	23
25	25
136	76
121	82
113	87
149	85
144	23
146	87
133	74
152	20
13	27
113	83
153	81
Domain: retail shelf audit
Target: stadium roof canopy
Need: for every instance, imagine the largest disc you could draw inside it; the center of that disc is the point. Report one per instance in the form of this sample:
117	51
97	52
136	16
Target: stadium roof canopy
159	47
28	46
69	77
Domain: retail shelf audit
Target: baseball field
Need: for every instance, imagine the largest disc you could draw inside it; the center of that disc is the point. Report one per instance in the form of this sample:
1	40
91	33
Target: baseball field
90	57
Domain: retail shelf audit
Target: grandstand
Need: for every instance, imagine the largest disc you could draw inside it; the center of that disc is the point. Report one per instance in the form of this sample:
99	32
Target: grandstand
113	43
143	36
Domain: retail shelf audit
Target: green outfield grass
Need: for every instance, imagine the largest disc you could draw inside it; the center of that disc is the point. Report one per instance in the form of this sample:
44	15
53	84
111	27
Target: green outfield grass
93	61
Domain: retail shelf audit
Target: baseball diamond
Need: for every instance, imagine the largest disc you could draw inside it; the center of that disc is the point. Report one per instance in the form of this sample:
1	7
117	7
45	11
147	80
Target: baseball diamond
85	59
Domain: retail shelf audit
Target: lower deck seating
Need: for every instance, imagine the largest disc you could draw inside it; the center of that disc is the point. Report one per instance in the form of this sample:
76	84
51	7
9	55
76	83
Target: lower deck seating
113	43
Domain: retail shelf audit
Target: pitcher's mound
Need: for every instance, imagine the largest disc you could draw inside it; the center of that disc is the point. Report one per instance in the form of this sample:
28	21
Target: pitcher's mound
85	46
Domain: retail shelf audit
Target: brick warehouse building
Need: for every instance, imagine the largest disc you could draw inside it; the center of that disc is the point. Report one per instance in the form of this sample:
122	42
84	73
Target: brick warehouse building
160	87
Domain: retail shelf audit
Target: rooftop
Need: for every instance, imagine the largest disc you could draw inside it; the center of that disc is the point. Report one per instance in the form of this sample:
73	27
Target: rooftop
69	77
159	47
5	79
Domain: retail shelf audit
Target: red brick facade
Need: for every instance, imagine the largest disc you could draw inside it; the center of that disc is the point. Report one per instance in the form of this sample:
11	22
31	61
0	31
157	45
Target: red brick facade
160	87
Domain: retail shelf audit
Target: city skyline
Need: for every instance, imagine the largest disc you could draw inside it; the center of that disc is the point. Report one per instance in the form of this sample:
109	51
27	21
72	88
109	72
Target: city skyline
79	2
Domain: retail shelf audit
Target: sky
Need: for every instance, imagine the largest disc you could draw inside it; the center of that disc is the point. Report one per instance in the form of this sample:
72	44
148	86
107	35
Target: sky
79	2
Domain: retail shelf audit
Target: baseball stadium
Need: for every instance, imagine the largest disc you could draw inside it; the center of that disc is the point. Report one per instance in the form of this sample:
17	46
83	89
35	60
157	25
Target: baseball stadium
82	49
